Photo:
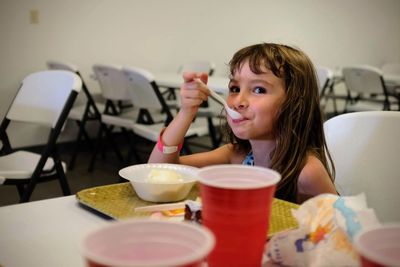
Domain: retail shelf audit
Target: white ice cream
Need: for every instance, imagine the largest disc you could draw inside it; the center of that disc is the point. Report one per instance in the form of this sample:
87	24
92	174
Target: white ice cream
162	176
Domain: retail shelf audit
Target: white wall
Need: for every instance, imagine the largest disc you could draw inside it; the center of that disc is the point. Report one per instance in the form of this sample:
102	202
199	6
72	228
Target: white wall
160	34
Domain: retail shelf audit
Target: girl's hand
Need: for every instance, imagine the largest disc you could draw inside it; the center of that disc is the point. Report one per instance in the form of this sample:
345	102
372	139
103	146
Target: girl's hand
193	91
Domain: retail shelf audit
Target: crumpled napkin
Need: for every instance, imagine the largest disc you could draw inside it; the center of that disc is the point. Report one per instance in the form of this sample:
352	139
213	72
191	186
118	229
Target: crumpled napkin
327	225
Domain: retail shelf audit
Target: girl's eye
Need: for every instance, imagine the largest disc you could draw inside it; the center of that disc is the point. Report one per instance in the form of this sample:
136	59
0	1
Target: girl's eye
259	90
234	89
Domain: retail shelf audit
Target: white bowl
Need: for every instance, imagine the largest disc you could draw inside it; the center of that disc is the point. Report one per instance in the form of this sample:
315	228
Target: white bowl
160	192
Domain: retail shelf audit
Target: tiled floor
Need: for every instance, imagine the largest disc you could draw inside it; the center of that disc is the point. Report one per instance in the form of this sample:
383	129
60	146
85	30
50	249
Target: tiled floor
105	172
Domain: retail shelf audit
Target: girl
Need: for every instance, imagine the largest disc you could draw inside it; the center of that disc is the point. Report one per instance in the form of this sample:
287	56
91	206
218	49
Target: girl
274	88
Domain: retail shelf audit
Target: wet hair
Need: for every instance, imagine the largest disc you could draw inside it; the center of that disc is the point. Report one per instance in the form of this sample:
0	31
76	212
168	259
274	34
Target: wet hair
298	126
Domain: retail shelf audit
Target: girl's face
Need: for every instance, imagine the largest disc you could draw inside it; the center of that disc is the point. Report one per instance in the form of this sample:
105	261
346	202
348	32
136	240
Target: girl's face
258	98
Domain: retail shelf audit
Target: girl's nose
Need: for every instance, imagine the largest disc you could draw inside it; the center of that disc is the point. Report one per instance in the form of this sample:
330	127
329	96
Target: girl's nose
239	101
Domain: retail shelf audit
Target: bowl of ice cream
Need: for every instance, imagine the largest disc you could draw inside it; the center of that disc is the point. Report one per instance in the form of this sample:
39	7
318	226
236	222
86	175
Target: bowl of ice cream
161	182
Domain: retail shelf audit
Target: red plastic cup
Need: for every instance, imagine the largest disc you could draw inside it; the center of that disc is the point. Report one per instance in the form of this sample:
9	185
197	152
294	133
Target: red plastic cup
147	243
379	246
236	205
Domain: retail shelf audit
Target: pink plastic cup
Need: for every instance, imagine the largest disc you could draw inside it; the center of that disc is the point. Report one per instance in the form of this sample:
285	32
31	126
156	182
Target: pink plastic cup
147	243
236	205
379	246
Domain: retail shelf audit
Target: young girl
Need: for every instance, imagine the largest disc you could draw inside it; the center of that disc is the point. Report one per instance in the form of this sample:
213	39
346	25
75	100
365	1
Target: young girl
274	88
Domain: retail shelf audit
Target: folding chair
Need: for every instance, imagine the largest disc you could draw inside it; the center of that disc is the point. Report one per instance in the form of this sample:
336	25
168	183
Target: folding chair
391	74
365	148
367	83
81	114
114	89
44	98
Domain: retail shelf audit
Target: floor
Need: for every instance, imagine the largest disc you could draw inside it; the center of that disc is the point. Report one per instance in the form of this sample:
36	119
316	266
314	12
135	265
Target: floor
105	171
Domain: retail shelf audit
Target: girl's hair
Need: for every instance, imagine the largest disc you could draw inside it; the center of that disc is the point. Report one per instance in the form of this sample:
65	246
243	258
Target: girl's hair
298	126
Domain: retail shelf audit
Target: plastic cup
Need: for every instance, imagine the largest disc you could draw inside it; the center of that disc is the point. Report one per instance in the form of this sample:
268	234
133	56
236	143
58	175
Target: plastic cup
147	243
236	205
379	246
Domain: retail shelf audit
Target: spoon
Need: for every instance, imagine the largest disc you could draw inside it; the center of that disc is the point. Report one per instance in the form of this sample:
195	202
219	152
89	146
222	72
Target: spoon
232	113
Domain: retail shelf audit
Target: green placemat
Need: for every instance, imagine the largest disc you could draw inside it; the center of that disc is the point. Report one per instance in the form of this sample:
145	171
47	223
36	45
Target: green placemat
119	201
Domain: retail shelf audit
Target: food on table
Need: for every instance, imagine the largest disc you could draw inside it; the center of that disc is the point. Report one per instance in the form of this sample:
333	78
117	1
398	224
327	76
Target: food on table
161	176
193	211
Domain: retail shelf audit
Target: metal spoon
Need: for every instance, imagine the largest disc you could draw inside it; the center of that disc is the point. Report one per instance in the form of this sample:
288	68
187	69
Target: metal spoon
232	113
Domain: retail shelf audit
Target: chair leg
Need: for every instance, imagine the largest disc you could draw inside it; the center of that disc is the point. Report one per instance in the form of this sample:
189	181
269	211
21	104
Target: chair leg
21	190
28	190
114	145
62	178
99	143
132	151
81	133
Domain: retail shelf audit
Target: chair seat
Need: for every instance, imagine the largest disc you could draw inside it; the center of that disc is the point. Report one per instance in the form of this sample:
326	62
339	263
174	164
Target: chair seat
364	106
21	164
127	119
374	104
77	112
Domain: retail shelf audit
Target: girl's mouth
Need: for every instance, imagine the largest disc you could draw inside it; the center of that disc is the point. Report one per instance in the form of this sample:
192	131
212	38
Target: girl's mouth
237	120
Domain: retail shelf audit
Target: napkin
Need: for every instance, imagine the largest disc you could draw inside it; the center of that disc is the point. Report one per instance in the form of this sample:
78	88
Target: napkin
327	225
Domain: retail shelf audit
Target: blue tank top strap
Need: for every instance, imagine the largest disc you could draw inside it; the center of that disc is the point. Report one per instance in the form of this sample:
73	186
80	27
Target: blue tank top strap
249	160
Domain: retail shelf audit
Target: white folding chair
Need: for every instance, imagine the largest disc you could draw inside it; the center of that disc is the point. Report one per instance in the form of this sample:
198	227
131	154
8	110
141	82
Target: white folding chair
80	113
44	98
325	83
390	70
369	86
114	89
146	96
365	149
325	78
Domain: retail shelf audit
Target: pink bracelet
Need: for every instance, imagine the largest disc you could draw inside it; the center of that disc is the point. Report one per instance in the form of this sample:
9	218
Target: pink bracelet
167	149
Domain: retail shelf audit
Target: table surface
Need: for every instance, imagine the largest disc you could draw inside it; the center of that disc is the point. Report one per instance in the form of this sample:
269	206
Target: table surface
44	233
47	233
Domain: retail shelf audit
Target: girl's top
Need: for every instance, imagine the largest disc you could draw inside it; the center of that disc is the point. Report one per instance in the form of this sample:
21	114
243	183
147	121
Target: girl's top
282	192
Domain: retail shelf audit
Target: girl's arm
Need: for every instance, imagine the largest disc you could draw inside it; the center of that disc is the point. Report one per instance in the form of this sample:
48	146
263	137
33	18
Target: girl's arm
193	92
314	180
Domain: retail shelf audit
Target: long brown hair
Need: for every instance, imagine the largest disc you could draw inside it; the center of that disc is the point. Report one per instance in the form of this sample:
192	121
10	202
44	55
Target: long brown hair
298	126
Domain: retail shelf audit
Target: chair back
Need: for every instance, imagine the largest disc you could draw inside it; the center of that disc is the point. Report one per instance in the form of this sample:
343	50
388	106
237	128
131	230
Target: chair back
198	66
113	83
365	149
58	65
325	77
364	79
44	96
145	94
141	88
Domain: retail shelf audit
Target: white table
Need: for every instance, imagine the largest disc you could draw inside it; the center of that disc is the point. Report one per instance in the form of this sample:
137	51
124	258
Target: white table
47	233
44	233
175	80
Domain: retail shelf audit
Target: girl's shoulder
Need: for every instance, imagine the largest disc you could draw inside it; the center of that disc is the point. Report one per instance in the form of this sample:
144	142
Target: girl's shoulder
314	179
